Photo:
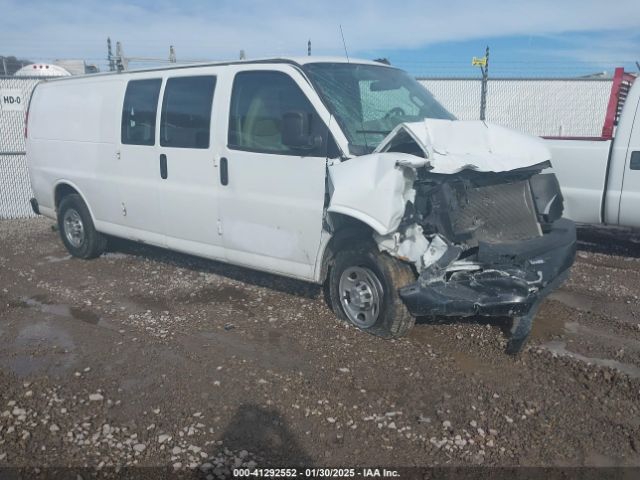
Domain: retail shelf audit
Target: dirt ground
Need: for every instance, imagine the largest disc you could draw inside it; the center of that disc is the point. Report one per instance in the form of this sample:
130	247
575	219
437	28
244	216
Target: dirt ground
147	357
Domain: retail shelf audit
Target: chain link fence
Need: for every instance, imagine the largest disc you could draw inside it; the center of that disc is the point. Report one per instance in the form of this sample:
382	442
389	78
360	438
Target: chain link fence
570	107
15	189
543	107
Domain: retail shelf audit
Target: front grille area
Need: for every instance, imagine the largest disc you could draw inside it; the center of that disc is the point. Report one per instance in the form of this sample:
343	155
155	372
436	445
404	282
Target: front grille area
496	214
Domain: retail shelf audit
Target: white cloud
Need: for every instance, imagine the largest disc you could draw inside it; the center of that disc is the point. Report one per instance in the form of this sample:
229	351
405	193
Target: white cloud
217	29
606	48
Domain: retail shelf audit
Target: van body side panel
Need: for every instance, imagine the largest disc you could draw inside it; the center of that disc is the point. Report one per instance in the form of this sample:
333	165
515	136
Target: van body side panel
274	208
71	140
40	183
581	168
122	231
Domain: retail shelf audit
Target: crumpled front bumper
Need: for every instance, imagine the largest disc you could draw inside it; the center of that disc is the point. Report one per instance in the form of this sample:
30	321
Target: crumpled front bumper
516	278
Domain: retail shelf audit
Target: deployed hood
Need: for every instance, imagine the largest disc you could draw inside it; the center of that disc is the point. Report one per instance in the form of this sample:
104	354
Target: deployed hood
455	145
375	188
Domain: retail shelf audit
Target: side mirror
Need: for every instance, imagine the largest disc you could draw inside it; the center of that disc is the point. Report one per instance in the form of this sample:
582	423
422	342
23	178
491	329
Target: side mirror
295	132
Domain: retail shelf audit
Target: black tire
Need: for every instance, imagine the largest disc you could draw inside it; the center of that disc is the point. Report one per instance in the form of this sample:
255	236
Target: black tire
393	319
86	242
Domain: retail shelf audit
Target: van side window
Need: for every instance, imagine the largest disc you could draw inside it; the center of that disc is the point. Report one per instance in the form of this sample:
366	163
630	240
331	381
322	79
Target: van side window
186	112
139	112
258	101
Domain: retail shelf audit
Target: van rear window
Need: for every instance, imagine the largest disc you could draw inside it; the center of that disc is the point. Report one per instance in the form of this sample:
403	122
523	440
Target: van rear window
139	112
186	112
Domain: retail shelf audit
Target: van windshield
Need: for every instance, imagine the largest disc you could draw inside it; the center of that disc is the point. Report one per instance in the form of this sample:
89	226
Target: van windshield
368	101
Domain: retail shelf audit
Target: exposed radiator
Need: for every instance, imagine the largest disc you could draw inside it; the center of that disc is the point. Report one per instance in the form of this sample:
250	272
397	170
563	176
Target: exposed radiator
497	214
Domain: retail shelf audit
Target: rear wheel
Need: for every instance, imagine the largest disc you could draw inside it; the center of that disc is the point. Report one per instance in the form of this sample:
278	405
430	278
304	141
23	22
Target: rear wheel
77	230
363	288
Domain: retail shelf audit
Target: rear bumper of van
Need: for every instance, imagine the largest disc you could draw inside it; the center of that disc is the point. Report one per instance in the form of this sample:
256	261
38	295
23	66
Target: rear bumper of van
516	278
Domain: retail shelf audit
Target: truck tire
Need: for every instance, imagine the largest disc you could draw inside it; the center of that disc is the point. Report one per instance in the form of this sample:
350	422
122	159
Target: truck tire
363	290
77	230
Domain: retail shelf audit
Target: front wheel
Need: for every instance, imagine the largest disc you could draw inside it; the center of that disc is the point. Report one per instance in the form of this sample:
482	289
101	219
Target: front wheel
363	288
77	230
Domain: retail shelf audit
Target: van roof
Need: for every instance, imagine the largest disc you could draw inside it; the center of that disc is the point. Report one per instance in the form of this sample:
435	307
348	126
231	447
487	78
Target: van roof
297	61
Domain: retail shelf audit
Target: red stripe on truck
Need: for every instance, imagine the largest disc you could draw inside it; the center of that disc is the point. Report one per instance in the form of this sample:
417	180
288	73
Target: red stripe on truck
621	83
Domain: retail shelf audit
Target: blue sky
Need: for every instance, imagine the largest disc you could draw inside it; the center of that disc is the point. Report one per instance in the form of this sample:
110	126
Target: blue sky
533	37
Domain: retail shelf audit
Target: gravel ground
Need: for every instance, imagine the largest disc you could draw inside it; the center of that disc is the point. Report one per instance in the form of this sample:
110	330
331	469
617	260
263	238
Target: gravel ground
147	357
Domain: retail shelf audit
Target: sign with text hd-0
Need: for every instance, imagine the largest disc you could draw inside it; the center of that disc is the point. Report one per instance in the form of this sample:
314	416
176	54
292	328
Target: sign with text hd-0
12	100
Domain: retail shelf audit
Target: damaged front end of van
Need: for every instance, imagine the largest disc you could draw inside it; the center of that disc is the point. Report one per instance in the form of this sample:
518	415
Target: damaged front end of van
466	203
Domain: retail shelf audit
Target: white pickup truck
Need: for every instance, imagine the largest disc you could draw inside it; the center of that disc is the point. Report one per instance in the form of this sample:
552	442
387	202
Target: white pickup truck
600	177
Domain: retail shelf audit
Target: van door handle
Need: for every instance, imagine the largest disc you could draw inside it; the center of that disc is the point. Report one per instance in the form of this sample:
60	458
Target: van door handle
634	164
224	171
163	166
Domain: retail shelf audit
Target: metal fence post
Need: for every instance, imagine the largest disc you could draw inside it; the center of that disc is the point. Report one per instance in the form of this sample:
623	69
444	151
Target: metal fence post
483	93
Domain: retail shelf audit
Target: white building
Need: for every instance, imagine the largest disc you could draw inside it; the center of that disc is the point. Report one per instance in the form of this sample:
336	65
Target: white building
42	70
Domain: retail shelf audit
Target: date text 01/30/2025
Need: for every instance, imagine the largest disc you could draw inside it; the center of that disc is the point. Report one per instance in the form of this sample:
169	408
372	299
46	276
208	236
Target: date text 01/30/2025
315	473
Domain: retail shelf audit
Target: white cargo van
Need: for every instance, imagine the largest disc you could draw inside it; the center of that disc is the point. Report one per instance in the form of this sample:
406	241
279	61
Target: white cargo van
348	173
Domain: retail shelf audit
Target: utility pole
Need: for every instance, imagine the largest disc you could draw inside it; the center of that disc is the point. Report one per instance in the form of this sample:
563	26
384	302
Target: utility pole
112	65
4	65
309	48
122	63
483	63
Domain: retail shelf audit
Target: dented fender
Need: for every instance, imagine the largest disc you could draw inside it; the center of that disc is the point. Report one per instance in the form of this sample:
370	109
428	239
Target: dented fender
374	188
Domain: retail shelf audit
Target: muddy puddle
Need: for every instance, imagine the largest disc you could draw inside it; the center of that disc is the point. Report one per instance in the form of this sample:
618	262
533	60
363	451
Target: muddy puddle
230	297
624	312
547	326
45	345
560	348
41	304
270	349
41	348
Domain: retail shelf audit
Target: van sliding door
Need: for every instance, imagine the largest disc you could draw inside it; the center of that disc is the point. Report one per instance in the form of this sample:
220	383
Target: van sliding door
188	190
136	163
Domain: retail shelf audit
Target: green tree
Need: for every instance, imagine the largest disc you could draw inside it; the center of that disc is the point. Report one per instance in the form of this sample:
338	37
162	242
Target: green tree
10	64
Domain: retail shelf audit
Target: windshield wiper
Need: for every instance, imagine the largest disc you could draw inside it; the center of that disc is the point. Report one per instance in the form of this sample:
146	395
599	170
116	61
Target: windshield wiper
383	132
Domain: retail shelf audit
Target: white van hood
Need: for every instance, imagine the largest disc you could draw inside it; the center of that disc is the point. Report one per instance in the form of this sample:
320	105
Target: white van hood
375	188
455	145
